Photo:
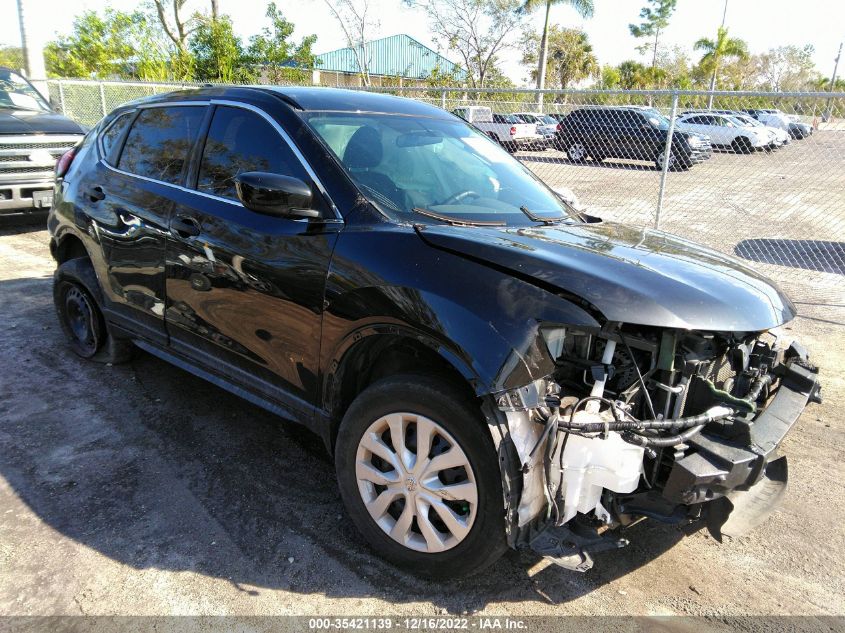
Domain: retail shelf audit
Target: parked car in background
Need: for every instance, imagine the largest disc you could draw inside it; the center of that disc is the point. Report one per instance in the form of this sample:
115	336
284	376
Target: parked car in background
32	138
511	132
629	132
547	126
725	131
778	136
486	366
787	122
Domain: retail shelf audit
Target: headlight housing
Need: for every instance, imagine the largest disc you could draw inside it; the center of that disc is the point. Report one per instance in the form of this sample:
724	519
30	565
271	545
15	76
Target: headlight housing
695	141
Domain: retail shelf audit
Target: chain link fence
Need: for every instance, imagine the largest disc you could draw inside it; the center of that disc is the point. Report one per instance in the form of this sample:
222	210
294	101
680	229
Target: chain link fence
760	176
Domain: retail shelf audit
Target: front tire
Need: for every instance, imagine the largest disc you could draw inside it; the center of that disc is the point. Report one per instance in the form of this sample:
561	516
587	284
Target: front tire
419	476
742	145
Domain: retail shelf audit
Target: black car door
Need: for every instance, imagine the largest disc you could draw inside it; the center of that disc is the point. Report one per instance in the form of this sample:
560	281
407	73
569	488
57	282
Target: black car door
140	180
245	290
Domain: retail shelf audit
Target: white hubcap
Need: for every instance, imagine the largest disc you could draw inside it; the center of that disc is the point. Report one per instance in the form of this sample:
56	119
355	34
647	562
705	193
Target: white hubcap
576	151
416	482
663	159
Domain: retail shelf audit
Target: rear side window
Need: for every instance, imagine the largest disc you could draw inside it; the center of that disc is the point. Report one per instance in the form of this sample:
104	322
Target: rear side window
160	141
111	137
239	141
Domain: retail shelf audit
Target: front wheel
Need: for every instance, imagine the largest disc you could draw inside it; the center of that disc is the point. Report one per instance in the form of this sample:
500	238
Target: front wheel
419	476
742	145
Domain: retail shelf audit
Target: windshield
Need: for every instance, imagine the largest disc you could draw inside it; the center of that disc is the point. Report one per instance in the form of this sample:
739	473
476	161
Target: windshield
548	119
657	120
407	163
17	92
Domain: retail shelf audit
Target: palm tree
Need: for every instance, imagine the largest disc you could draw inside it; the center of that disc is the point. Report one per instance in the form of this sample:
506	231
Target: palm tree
584	8
714	51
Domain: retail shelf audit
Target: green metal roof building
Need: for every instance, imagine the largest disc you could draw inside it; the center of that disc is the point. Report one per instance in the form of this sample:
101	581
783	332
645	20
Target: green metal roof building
394	56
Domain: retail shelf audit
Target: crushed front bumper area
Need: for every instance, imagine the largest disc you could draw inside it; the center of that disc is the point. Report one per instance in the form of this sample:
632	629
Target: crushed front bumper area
577	484
731	474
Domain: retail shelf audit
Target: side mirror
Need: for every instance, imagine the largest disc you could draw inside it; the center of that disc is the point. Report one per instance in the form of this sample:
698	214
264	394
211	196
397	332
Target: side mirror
274	194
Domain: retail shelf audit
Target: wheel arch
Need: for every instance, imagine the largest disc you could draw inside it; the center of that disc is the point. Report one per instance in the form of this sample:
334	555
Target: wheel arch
68	246
376	351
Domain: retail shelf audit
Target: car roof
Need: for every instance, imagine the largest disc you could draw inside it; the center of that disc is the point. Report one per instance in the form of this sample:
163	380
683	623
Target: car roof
309	99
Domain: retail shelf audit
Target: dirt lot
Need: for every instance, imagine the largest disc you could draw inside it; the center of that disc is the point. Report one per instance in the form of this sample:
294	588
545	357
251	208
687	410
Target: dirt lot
139	489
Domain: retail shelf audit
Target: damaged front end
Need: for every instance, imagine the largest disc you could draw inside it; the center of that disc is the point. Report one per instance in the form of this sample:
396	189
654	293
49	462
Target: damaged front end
634	422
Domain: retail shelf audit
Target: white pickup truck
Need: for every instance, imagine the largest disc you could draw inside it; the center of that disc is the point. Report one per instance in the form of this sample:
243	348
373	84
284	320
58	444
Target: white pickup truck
504	128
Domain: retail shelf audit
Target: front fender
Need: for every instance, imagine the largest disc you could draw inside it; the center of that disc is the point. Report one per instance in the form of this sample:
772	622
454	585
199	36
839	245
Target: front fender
483	321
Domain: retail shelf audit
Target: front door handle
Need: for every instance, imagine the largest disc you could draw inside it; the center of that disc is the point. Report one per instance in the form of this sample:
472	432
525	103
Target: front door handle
185	226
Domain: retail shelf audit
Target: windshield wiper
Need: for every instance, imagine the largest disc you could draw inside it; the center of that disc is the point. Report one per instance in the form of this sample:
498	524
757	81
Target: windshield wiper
539	218
456	221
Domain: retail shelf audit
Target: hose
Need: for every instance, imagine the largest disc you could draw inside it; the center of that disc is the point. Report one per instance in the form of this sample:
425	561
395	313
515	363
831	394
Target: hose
661	442
676	424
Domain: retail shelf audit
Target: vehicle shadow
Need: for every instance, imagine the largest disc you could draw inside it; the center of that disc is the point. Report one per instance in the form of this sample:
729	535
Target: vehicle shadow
17	224
157	469
607	163
818	255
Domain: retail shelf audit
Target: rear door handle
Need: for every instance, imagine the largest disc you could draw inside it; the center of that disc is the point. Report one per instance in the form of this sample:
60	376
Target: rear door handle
185	226
95	194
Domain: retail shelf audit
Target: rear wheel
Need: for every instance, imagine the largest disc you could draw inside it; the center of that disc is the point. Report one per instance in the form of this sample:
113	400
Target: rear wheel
419	476
75	289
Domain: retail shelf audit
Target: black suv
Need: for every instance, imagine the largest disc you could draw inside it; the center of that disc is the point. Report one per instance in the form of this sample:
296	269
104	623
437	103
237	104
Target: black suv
488	367
629	132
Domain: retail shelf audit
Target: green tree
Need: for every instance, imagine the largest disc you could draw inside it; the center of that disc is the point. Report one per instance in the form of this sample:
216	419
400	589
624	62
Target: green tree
609	77
11	57
787	68
217	51
99	46
633	75
655	18
114	44
275	49
477	30
584	8
718	50
570	56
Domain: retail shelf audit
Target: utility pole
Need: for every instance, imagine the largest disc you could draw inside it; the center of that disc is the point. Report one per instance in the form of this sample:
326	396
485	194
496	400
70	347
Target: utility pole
835	68
827	113
33	54
716	61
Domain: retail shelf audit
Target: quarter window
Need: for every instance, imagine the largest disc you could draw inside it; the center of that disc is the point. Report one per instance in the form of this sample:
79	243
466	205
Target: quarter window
240	141
112	136
160	141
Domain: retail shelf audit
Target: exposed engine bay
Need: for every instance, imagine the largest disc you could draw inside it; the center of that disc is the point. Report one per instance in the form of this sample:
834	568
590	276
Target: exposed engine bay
635	422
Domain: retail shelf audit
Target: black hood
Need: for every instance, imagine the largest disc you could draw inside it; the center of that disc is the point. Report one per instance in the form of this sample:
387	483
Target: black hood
32	122
629	274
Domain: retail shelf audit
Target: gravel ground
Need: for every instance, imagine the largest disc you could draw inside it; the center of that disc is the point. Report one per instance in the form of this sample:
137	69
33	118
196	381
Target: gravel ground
140	489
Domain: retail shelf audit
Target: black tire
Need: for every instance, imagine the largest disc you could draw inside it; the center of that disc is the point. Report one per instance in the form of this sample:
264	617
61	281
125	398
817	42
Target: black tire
439	401
742	145
576	151
77	296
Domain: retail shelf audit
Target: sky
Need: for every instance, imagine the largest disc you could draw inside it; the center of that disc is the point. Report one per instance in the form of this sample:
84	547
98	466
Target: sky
762	25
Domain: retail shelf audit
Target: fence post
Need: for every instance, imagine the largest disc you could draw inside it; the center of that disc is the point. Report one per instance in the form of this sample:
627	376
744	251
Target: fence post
667	152
62	97
103	99
443	98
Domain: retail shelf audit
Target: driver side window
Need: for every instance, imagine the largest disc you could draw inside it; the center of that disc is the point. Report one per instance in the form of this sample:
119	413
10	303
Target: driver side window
240	141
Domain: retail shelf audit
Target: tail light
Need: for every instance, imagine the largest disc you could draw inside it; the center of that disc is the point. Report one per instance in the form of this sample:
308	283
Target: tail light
558	128
63	164
513	130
